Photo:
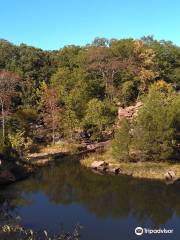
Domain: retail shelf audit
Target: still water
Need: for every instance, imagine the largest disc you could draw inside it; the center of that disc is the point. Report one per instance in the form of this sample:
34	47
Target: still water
108	207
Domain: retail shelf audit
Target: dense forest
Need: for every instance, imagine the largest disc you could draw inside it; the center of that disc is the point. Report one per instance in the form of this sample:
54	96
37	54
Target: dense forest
75	93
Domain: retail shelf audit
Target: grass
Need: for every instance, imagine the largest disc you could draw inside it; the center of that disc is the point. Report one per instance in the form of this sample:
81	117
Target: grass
46	154
61	147
150	170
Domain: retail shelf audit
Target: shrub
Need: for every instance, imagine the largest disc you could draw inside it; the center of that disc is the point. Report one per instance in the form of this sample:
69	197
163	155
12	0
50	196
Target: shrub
19	142
20	233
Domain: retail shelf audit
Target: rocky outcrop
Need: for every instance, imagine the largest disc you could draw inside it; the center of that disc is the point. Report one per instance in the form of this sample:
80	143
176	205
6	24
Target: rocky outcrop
170	177
98	164
129	112
104	167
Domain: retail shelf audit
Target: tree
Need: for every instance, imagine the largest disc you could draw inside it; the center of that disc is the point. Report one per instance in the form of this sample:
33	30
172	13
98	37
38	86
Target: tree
174	112
19	142
70	122
128	92
103	63
167	59
144	59
8	55
67	56
100	115
8	84
100	42
122	141
34	65
50	107
153	131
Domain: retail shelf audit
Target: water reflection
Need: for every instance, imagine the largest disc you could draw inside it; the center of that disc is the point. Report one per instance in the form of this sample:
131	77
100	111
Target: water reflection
110	197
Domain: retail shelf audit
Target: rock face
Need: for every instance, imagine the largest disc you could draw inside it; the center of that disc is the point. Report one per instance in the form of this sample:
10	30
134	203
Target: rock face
129	112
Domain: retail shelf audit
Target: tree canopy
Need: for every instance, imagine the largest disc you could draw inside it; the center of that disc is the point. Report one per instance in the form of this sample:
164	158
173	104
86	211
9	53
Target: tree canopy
87	84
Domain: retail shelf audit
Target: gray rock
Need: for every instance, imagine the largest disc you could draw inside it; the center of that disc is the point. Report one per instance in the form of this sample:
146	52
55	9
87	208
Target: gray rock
97	164
102	168
114	170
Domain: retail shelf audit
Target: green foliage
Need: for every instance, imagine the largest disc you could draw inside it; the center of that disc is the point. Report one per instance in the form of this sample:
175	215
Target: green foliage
70	123
67	57
24	118
175	76
128	92
167	59
6	151
174	112
88	81
122	141
32	64
123	48
2	145
154	133
99	117
77	99
19	142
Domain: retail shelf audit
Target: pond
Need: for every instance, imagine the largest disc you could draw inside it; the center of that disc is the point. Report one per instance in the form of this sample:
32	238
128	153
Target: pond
108	207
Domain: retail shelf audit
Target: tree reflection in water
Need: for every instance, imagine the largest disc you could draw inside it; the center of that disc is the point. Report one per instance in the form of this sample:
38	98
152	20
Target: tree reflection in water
105	196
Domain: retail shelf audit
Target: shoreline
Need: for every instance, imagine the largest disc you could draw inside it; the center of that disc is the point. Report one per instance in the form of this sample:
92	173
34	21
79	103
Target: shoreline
88	153
144	170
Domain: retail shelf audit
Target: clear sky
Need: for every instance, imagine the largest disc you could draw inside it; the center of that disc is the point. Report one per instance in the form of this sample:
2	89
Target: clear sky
51	24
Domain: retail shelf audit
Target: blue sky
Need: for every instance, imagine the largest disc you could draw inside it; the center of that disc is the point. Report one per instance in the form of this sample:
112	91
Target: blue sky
51	24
